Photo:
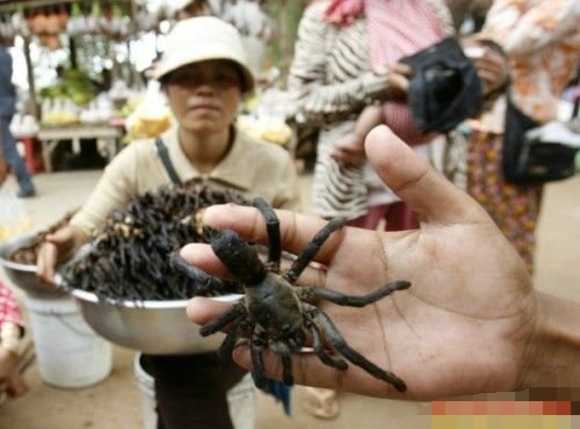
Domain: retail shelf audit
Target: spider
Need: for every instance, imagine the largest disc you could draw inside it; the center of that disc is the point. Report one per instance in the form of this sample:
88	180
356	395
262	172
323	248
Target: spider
276	314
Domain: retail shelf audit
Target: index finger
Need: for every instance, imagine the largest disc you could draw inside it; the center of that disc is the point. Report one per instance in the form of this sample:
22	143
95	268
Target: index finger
296	229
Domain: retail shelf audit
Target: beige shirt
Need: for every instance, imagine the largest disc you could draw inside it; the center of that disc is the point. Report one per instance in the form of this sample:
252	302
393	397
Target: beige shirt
251	167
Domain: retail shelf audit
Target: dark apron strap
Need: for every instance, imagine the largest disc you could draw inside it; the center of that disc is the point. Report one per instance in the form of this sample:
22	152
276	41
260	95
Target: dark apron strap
164	155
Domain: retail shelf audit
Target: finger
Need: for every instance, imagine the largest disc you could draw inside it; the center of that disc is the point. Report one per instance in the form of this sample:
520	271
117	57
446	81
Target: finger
201	310
426	192
402	68
203	257
46	263
296	229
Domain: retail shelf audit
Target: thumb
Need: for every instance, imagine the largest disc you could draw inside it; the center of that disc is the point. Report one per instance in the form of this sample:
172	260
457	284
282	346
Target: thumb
430	195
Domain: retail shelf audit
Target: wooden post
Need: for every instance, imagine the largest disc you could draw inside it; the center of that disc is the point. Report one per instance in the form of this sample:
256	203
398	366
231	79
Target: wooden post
30	76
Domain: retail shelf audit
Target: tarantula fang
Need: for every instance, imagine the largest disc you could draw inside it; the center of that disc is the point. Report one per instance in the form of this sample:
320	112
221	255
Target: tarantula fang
274	313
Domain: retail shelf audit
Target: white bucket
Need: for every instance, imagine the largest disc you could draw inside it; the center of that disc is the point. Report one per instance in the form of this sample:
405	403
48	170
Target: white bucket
146	385
241	399
242	403
69	353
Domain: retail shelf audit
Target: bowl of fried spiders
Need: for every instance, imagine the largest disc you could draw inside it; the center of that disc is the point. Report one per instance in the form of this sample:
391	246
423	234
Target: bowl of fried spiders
149	326
124	284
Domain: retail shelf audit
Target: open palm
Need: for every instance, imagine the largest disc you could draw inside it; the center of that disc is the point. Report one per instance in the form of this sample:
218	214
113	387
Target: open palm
463	325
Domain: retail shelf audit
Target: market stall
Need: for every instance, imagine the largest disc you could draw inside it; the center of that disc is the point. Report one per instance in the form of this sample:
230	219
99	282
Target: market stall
79	68
85	61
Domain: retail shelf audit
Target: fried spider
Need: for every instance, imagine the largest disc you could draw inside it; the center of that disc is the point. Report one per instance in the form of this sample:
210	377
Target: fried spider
276	314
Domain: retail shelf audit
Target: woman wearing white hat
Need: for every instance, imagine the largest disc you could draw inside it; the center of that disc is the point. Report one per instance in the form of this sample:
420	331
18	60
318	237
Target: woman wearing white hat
204	74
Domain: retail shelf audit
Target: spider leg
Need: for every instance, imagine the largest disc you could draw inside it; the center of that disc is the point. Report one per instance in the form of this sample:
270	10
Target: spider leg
240	258
258	371
206	283
339	343
309	294
227	346
285	353
322	354
273	228
306	256
223	320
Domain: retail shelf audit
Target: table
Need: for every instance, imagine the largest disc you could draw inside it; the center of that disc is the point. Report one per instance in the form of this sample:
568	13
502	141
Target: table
50	137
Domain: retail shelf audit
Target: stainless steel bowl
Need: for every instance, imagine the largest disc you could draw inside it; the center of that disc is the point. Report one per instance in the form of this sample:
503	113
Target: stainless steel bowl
153	327
24	275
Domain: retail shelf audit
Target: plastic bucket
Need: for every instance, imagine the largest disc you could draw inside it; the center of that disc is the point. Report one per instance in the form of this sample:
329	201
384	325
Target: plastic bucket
146	385
241	399
69	353
242	403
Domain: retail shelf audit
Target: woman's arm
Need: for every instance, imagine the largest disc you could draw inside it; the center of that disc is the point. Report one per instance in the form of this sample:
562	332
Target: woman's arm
317	99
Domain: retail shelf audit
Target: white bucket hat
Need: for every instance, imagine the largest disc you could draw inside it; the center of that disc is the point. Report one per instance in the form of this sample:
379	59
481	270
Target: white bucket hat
204	38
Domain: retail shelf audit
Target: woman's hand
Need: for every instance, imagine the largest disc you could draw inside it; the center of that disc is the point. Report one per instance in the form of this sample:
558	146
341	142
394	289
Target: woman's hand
463	327
492	66
57	247
399	74
349	149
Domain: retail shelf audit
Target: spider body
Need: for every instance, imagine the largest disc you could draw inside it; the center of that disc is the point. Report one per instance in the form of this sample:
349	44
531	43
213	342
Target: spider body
274	313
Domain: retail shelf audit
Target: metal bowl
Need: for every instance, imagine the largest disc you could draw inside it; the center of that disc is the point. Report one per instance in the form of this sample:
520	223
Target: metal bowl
152	327
24	275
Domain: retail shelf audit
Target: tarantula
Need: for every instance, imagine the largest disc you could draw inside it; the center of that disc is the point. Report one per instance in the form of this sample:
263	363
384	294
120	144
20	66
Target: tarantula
275	313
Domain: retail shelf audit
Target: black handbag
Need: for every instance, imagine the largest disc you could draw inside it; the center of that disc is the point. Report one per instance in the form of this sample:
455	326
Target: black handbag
444	86
533	162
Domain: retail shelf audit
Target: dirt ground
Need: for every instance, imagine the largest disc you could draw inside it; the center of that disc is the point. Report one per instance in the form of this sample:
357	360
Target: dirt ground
116	402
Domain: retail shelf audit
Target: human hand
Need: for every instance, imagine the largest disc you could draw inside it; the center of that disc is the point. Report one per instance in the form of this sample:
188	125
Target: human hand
399	74
464	325
491	64
11	381
58	247
349	149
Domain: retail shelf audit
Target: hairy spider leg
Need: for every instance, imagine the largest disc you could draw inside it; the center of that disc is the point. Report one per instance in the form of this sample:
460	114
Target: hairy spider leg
206	284
319	349
339	343
227	347
285	356
308	293
306	256
273	229
258	370
224	319
239	257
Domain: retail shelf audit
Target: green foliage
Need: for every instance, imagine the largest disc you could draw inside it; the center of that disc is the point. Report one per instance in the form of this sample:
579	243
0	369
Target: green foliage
285	16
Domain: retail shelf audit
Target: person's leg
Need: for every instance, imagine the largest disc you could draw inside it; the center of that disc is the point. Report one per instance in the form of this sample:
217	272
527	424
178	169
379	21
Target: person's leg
514	209
14	159
191	390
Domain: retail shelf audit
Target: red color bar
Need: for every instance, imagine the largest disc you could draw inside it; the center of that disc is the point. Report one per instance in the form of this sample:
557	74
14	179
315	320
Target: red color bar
501	408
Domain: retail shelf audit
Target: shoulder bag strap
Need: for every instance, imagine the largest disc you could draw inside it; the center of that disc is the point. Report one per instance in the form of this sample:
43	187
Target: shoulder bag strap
164	155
